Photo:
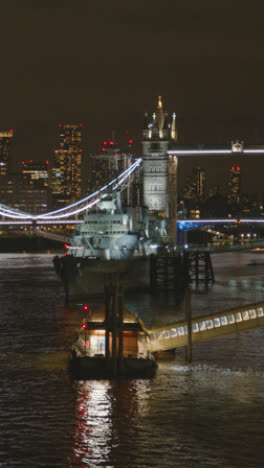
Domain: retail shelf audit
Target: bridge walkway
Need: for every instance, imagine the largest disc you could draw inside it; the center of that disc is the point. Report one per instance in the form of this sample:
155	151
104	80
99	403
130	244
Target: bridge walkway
206	327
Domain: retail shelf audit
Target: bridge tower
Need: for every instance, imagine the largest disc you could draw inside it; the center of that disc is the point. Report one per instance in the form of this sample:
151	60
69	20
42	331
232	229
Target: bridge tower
160	169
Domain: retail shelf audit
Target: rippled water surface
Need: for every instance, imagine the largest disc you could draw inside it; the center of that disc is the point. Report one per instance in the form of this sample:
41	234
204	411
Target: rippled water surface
207	414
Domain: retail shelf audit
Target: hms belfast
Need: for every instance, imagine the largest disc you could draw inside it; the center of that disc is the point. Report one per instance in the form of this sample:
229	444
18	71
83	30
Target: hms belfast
125	239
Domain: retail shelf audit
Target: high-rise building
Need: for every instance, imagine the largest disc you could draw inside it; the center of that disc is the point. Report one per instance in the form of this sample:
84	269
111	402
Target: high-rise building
65	176
35	173
27	190
234	191
33	192
5	142
106	165
199	177
160	170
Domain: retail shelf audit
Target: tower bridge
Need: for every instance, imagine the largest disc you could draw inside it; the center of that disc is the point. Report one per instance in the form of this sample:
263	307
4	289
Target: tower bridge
159	165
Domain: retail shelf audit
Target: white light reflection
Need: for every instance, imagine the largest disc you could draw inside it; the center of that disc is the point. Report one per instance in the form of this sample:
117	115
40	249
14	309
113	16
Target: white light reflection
106	412
93	433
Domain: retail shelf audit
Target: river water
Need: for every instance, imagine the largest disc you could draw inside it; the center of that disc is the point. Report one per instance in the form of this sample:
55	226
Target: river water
205	414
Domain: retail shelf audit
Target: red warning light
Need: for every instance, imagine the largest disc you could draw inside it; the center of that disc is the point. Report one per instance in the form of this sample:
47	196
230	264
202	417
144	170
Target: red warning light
84	325
23	162
80	125
111	142
47	162
11	130
86	307
105	142
130	142
65	246
102	149
238	168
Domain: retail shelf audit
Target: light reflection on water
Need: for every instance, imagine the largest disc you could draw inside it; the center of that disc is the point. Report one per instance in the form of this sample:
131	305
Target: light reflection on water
206	414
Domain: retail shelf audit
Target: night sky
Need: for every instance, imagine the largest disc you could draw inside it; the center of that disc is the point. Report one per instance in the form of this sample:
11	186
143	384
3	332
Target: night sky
103	64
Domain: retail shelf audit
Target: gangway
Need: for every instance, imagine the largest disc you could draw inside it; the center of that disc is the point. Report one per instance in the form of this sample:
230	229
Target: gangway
206	327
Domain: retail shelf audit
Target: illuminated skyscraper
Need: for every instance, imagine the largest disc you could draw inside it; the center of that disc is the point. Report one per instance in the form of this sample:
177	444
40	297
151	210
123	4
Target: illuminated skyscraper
35	173
104	166
234	185
199	182
5	142
65	177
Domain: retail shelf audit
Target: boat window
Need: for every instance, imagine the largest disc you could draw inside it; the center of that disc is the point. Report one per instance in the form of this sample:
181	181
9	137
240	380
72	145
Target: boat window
231	318
209	324
217	322
252	314
152	336
173	332
223	320
260	312
238	317
245	315
180	331
195	327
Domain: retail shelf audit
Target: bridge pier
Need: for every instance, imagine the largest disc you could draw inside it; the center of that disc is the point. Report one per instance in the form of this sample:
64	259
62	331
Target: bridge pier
199	267
188	318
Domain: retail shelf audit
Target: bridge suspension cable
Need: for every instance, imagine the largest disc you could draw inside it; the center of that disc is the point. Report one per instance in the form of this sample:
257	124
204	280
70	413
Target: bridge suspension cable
92	199
77	207
14	213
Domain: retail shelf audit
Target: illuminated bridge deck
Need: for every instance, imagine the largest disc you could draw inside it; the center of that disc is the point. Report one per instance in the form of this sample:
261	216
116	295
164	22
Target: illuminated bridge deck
206	327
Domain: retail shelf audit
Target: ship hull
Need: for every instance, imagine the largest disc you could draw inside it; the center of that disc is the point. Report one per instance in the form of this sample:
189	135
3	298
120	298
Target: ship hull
85	277
97	367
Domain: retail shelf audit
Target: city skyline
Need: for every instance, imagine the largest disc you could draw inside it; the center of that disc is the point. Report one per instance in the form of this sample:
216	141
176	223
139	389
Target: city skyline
104	66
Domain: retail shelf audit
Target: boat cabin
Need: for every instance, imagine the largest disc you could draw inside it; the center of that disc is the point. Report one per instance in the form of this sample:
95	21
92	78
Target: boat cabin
92	338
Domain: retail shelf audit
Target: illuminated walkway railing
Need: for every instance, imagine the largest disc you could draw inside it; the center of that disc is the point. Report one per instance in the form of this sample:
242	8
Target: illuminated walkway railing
206	327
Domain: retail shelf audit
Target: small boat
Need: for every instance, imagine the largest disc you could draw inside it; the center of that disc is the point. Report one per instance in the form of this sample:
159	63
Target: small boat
102	352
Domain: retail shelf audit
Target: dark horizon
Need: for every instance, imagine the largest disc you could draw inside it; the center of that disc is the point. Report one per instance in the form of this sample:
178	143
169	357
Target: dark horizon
105	64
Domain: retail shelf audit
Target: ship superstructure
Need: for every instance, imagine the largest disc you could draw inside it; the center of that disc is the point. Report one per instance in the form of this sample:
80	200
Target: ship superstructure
111	233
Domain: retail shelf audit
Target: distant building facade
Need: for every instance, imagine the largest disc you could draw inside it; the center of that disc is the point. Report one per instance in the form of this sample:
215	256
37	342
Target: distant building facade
6	138
27	190
234	186
35	173
65	177
106	165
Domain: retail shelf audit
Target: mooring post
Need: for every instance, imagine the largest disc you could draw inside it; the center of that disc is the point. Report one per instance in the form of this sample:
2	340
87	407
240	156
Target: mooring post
188	318
196	268
120	327
66	268
107	293
114	323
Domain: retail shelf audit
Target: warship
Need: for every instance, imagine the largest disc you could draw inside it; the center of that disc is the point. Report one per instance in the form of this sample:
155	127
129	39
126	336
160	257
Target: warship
110	240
